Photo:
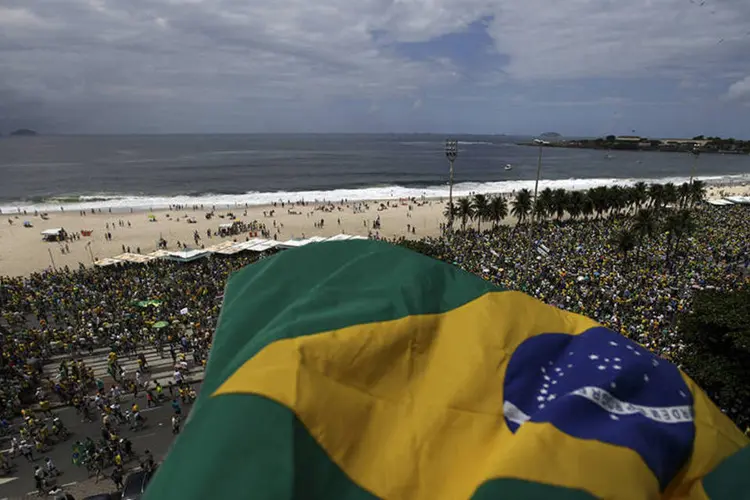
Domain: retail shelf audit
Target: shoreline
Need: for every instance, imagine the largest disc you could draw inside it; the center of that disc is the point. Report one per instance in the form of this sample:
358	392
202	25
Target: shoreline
122	204
23	252
619	148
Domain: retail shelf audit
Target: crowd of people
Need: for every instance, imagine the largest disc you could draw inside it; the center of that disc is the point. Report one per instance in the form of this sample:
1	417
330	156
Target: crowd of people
579	267
576	265
73	313
51	321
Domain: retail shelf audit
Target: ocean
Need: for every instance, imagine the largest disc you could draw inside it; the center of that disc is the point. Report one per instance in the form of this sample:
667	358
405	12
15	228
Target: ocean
119	172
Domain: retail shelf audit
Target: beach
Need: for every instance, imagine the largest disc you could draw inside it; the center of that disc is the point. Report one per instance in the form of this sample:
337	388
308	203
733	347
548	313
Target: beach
22	250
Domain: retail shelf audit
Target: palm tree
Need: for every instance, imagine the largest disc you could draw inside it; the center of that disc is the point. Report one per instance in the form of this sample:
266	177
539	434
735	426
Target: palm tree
559	202
626	242
544	203
447	211
602	199
670	193
588	205
616	199
575	204
639	194
683	194
481	209
644	225
465	211
498	209
522	205
656	196
697	192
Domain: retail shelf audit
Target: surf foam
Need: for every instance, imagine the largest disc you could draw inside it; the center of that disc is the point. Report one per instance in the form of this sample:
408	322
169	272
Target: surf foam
125	202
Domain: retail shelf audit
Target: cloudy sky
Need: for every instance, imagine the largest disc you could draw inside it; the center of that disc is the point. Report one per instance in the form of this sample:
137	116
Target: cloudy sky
578	67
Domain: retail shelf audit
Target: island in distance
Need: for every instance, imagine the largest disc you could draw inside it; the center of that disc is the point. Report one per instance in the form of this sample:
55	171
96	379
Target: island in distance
23	131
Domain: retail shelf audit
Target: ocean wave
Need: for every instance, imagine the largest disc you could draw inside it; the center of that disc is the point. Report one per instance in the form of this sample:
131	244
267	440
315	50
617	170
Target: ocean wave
231	152
441	143
42	164
122	202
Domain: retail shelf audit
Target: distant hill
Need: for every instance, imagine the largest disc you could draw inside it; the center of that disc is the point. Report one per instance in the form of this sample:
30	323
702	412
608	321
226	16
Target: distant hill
23	131
550	135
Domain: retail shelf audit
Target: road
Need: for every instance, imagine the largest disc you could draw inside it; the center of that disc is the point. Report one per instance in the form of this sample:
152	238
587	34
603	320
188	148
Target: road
156	437
161	369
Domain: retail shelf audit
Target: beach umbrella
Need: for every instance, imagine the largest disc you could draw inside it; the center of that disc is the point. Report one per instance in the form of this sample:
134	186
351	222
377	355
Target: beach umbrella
160	324
450	388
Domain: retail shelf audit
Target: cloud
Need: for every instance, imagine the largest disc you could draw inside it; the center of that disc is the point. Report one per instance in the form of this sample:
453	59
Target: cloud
739	90
296	63
594	38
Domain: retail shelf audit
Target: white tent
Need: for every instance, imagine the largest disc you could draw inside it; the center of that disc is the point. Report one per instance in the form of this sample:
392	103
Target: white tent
266	245
740	200
292	243
52	234
232	249
317	239
220	246
186	255
719	202
252	242
135	258
107	262
158	254
244	245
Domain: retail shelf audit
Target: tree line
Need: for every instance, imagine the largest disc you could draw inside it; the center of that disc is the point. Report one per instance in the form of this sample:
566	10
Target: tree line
557	203
655	209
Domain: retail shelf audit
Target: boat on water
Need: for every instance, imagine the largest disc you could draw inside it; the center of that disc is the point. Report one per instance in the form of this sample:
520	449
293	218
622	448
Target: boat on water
609	156
508	166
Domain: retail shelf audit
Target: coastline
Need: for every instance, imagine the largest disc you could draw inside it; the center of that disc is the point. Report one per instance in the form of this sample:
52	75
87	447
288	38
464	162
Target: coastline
124	203
22	250
617	148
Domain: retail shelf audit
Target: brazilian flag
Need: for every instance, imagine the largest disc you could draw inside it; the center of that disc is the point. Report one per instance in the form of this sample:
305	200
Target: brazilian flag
358	370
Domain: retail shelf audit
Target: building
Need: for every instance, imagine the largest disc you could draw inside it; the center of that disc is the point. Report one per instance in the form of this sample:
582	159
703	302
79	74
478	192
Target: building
628	139
685	142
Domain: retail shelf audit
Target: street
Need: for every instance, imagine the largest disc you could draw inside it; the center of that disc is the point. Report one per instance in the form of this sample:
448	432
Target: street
161	368
156	436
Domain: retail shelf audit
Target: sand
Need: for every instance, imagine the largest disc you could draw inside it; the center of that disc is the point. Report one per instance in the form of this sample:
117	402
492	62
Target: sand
22	250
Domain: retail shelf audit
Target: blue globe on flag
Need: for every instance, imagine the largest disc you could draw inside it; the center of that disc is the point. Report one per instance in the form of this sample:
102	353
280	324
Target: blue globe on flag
599	385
